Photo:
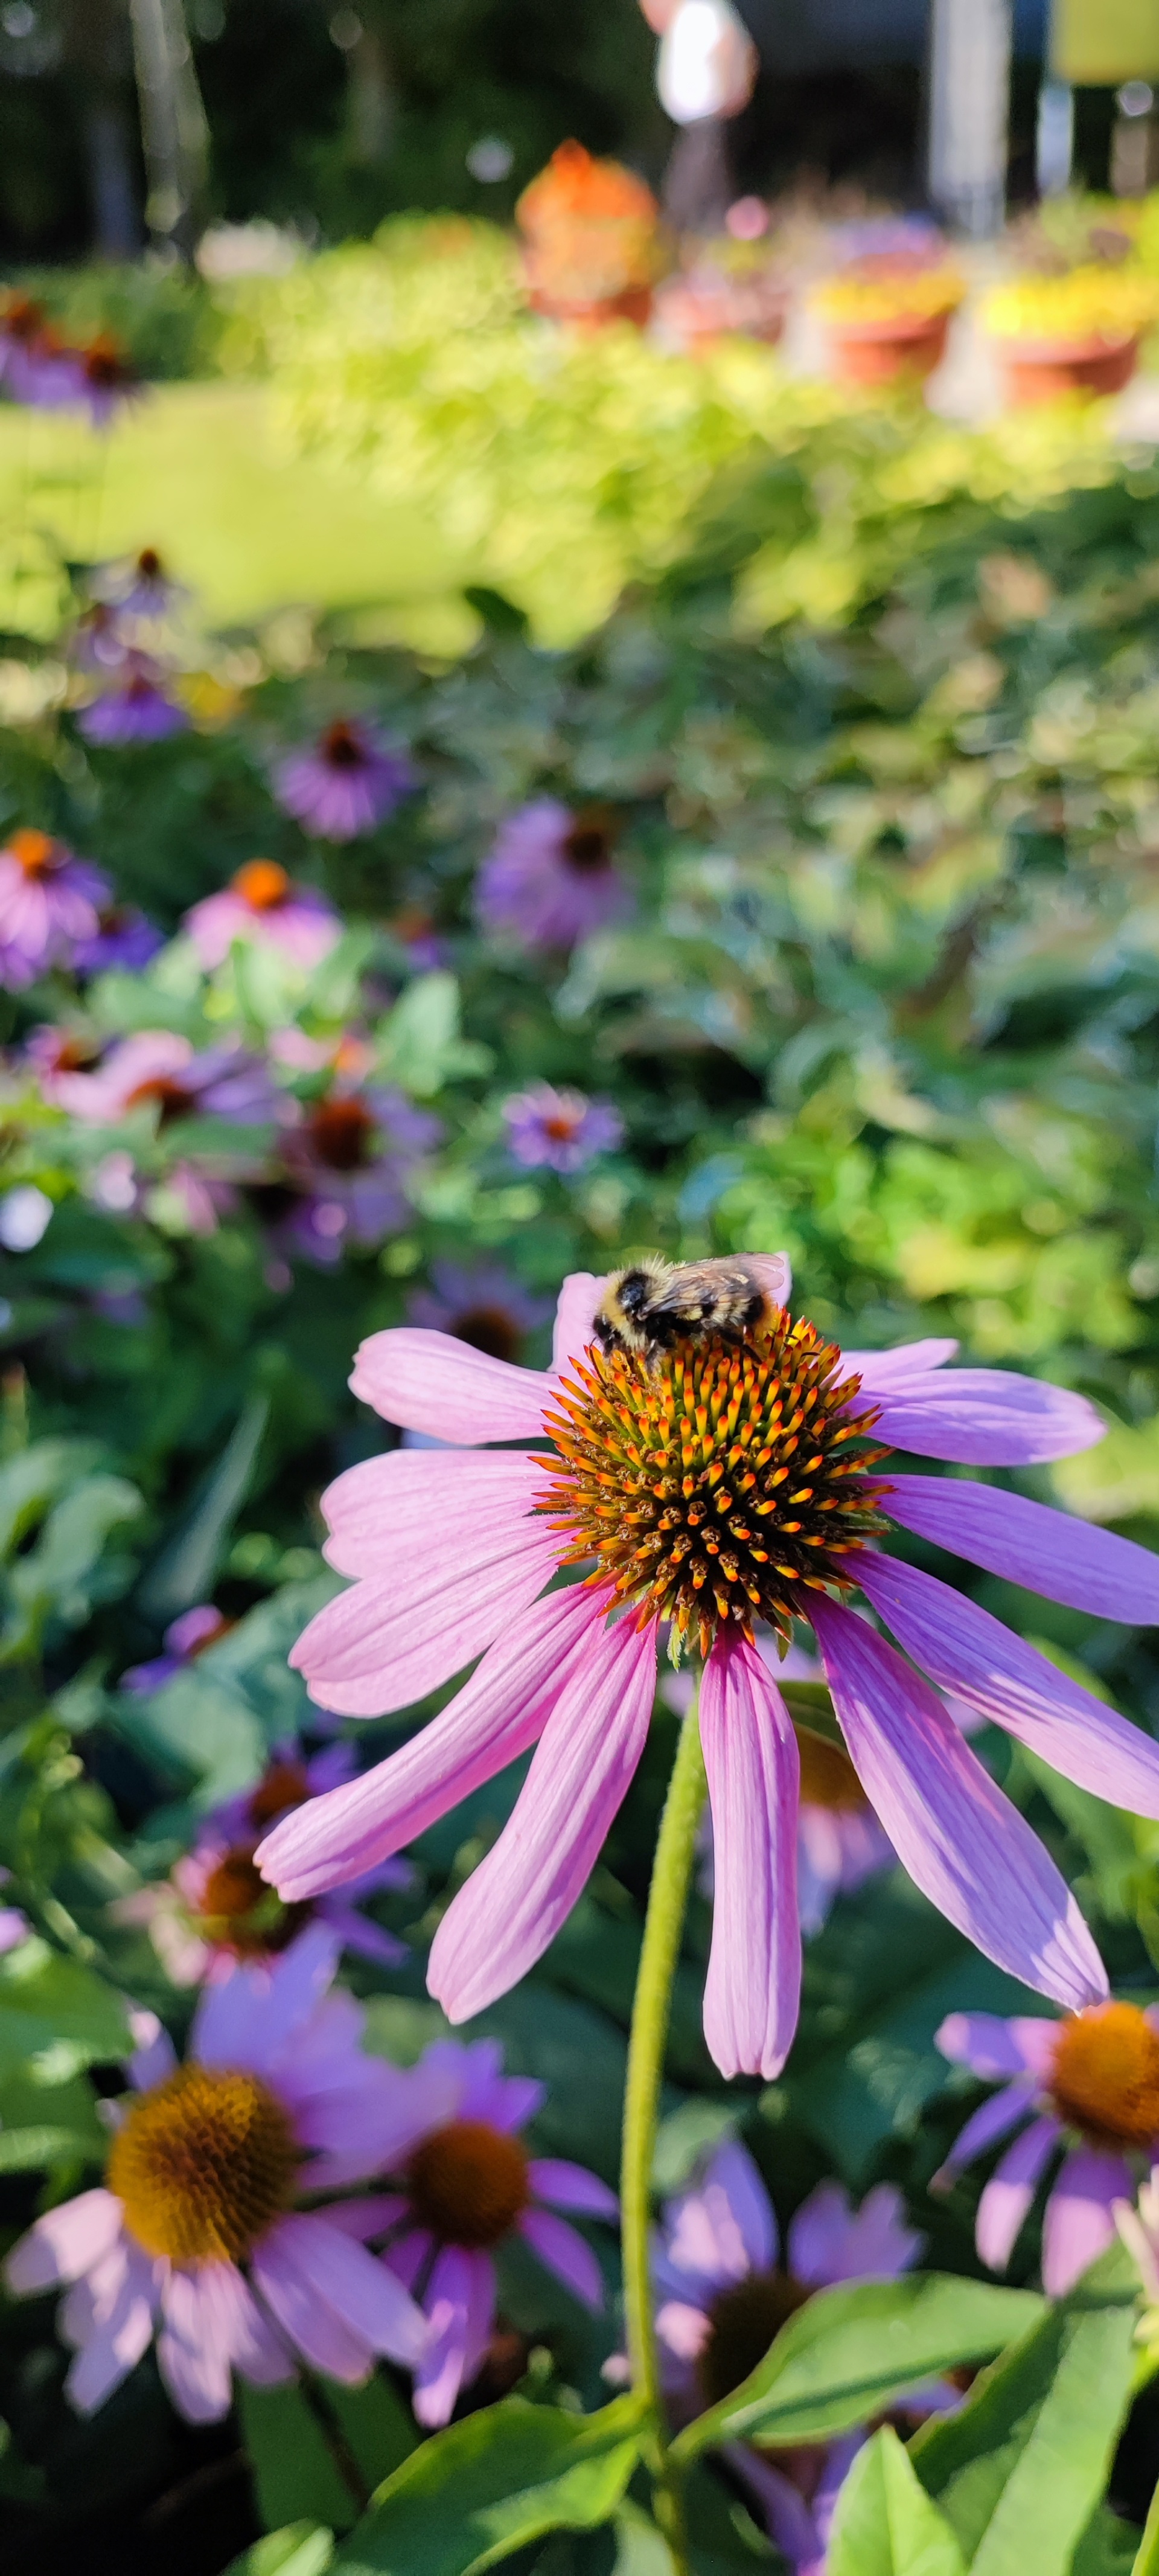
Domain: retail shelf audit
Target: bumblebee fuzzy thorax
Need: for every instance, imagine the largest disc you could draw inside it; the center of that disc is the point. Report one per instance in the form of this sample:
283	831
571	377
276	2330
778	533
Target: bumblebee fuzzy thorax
719	1485
656	1305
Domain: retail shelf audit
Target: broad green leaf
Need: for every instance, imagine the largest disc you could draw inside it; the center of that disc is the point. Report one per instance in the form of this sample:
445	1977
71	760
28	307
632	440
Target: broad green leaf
885	2523
64	1574
299	2549
36	1477
1108	2546
1020	2469
28	2150
851	2351
485	2487
295	2473
55	2015
185	1571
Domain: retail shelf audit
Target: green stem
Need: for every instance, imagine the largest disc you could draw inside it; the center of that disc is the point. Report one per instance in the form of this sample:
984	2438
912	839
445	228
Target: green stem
651	2009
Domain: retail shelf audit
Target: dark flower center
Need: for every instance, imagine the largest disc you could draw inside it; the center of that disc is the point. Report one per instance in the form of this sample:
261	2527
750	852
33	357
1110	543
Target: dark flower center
36	853
587	848
237	1909
742	2323
171	1097
262	884
204	2164
149	564
723	1486
1104	2078
341	748
468	2182
22	318
341	1133
282	1786
105	368
489	1329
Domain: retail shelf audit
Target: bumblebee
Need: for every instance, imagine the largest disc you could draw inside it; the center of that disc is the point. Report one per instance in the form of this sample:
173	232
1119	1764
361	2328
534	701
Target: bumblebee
657	1304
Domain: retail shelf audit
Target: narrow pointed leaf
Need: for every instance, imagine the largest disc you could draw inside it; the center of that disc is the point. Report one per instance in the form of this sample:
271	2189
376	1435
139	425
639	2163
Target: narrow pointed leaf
886	2524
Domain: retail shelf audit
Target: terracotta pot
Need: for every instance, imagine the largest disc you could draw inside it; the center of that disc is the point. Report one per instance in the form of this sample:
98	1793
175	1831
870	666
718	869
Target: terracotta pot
1037	370
696	319
877	353
591	313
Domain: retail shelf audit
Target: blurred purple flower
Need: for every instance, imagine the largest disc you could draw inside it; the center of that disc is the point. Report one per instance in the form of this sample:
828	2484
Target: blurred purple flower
349	1160
123	937
140	588
49	900
136	709
346	783
184	1639
158	1067
96	643
549	878
560	1129
484	1307
263	905
103	382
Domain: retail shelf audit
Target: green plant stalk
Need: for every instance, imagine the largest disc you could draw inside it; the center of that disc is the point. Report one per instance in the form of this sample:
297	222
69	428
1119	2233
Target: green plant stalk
651	2009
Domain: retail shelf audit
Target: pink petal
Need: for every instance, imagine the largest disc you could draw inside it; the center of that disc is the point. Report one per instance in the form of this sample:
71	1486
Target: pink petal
501	1922
992	2121
721	2228
430	1382
962	1842
308	2322
753	1987
887	1369
684	2329
428	1516
993	2047
1008	2195
566	2186
1078	2224
251	2017
367	2298
985	1418
64	2243
1065	1560
575	1316
565	2254
461	2307
494	1718
121	2333
966	1651
373	1651
193	2347
829	2241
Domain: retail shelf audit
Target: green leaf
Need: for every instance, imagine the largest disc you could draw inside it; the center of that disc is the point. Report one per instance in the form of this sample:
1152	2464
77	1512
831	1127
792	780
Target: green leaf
295	2473
487	2486
421	1044
299	2549
1107	2547
185	1571
1147	2561
1020	2469
27	2150
56	2016
885	2524
36	1477
851	2351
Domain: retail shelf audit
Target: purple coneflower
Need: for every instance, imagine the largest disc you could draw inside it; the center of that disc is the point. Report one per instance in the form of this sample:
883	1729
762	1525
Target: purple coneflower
263	906
349	1160
549	879
347	783
723	2292
140	588
136	709
839	1840
482	1306
159	1070
1090	2083
123	937
467	2185
49	901
678	1487
276	2102
97	643
103	380
560	1129
185	1638
215	1908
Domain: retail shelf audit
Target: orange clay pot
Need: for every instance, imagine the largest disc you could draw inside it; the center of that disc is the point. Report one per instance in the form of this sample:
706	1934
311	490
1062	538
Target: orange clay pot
1037	370
590	313
878	353
699	320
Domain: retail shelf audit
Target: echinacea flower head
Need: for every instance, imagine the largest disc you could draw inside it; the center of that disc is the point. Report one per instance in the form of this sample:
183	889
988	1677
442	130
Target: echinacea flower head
98	642
1089	2085
550	878
135	709
349	1161
185	1638
346	783
197	2236
263	906
560	1130
725	2287
104	380
215	1908
482	1306
162	1073
468	2185
142	587
49	903
724	1486
123	937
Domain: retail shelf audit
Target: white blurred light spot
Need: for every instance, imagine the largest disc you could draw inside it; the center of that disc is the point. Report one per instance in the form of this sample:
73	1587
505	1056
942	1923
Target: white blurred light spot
345	29
113	1183
24	1214
18	20
490	159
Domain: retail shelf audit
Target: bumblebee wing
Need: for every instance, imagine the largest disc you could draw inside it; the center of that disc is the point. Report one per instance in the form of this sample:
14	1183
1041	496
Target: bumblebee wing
774	1273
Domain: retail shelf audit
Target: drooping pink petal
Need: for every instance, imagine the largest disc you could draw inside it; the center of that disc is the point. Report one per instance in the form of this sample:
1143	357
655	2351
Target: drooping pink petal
887	1369
1008	2194
994	2047
64	2243
985	1418
962	1842
1078	2223
993	2120
721	2228
194	2345
461	2308
512	1906
368	2298
122	2327
1064	1559
565	2253
966	1651
374	1650
575	1316
567	2186
248	2020
421	1517
430	1382
493	1719
752	1991
309	2323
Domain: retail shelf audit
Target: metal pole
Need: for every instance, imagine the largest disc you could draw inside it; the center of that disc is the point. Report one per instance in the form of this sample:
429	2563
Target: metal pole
173	126
969	102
